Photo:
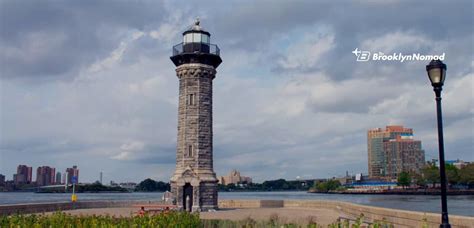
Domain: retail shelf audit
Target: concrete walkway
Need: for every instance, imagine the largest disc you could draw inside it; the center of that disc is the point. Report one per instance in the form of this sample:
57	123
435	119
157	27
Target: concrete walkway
283	215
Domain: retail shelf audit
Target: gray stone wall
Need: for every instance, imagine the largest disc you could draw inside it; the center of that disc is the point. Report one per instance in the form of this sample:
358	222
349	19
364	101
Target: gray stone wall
194	155
63	206
195	116
208	195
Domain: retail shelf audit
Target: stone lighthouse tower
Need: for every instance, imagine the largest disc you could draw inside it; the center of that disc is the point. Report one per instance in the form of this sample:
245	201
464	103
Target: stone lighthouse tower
194	183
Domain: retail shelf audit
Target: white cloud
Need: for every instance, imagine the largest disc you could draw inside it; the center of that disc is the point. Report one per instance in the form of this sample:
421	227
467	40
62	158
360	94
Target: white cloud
308	52
133	146
418	100
122	109
129	150
395	42
166	32
116	55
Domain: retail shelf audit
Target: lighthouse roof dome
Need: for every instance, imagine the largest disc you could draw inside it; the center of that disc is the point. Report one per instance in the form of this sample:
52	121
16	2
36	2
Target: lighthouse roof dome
196	27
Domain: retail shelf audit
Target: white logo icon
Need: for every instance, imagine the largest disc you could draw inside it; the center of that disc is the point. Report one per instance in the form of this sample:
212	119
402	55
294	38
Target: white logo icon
362	56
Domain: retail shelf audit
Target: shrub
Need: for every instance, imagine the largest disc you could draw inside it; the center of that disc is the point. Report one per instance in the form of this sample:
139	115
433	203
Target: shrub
172	219
60	219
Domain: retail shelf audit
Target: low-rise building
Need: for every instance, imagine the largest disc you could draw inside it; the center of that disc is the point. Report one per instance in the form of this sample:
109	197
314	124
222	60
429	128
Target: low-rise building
128	185
458	163
234	177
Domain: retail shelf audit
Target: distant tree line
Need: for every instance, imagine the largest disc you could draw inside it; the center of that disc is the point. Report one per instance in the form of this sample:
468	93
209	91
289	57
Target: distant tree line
81	188
429	176
98	187
271	185
150	185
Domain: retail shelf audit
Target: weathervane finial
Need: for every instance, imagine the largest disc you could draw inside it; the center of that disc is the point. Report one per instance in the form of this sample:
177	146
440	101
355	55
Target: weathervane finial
197	21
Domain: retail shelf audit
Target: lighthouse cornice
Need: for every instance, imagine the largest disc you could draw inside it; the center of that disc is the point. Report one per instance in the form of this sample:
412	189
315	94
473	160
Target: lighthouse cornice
195	70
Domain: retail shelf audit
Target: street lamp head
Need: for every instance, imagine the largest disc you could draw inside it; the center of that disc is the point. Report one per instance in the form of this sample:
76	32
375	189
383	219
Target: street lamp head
436	72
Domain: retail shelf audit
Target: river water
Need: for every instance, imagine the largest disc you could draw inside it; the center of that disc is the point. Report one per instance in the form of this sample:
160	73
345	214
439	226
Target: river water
457	205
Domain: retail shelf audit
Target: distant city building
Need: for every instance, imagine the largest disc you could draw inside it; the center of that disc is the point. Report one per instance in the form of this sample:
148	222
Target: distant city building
45	175
9	185
347	179
234	177
58	178
371	186
23	175
128	185
2	180
393	150
72	172
458	163
403	155
360	182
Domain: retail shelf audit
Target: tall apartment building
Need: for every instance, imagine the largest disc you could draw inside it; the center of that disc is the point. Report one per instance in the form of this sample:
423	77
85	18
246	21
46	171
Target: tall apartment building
45	175
64	178
23	175
403	154
70	172
393	150
2	180
58	178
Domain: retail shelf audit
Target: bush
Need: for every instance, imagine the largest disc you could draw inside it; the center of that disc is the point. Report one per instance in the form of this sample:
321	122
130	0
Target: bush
60	219
171	219
329	185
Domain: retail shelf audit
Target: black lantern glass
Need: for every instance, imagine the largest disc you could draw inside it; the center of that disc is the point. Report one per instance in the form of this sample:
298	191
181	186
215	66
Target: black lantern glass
436	72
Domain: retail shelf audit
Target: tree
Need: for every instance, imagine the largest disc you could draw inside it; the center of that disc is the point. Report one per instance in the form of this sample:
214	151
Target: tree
404	179
452	174
231	186
466	174
418	179
149	185
98	187
327	185
272	185
431	174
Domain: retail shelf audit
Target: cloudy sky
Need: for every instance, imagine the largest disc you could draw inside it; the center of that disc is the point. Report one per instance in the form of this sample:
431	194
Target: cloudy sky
90	83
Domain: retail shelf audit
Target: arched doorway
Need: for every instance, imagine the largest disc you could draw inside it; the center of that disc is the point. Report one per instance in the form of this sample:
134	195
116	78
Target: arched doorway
187	197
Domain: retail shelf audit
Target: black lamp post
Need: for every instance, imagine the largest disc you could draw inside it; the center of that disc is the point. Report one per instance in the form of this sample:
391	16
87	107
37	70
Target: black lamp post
437	73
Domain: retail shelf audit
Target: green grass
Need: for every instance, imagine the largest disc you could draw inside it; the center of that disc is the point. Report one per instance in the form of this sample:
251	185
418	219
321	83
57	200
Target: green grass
60	219
172	219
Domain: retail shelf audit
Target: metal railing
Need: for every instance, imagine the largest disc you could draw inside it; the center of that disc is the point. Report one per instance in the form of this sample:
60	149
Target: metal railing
196	48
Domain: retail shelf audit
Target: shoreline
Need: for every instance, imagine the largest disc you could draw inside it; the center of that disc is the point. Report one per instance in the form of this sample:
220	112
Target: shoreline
398	192
458	205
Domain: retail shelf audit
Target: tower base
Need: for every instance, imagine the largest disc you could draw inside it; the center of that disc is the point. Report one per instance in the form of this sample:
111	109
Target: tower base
193	194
